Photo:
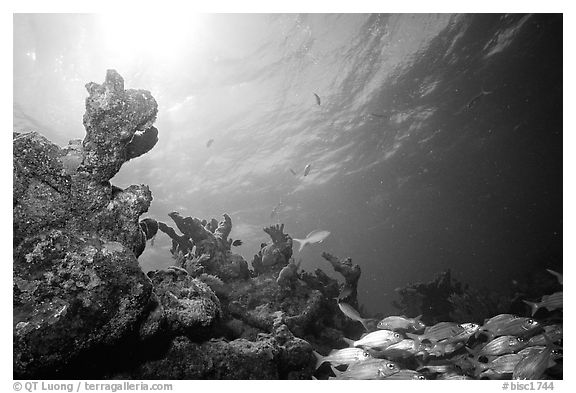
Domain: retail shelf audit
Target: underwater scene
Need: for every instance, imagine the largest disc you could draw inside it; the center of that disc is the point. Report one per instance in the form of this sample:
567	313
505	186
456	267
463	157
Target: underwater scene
288	196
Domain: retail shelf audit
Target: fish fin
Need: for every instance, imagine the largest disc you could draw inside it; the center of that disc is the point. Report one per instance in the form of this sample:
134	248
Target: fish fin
319	359
534	306
348	341
302	243
366	323
416	339
555	274
336	372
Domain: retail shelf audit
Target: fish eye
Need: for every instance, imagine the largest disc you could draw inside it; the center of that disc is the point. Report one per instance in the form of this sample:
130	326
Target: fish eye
520	339
391	366
421	377
396	335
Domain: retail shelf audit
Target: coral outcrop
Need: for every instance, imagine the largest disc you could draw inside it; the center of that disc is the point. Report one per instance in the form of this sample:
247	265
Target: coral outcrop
77	283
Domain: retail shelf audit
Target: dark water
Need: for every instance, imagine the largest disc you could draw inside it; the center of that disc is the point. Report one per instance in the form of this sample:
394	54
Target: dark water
437	144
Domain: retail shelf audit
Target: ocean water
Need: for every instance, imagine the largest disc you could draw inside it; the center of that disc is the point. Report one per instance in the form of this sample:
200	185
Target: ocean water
437	143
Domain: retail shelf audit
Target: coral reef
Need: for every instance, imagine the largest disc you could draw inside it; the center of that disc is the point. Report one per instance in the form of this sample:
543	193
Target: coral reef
77	237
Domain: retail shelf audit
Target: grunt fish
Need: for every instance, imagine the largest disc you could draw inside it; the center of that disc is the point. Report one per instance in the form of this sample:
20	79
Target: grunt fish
550	302
402	349
501	346
406	374
342	356
438	332
368	369
313	237
396	323
504	364
511	326
533	365
553	332
469	330
378	339
351	313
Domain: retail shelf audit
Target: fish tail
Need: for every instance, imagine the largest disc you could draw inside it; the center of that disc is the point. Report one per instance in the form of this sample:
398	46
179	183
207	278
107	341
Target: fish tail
478	367
348	341
533	306
319	359
301	242
416	339
366	323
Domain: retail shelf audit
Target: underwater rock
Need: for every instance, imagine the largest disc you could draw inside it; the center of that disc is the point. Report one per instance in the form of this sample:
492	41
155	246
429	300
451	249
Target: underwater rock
272	356
188	304
211	250
70	295
350	272
113	116
276	255
77	283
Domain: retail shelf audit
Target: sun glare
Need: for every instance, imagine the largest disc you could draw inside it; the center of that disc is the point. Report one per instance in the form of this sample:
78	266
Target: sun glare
151	37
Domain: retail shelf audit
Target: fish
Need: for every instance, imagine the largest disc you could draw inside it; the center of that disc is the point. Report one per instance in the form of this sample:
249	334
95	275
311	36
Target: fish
444	347
437	368
210	142
317	236
553	332
438	332
343	356
351	313
469	330
476	98
346	292
556	274
533	365
379	339
401	323
293	172
550	302
402	349
307	169
368	369
511	326
406	374
501	346
237	243
503	364
317	98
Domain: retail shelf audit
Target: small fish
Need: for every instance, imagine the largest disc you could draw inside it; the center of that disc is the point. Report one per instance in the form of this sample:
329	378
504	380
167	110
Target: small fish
438	332
403	323
406	374
351	313
379	339
346	292
504	364
437	368
550	302
293	172
469	330
511	326
313	237
533	365
402	349
501	346
475	100
342	356
368	369
556	274
553	332
453	375
494	322
444	347
237	243
210	142
317	98
307	169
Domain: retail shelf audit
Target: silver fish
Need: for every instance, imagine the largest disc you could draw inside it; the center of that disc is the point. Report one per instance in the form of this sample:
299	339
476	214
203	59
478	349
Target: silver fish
550	302
553	332
400	350
533	365
440	331
378	339
368	369
407	374
307	169
351	313
512	327
502	345
399	322
317	236
504	364
342	356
